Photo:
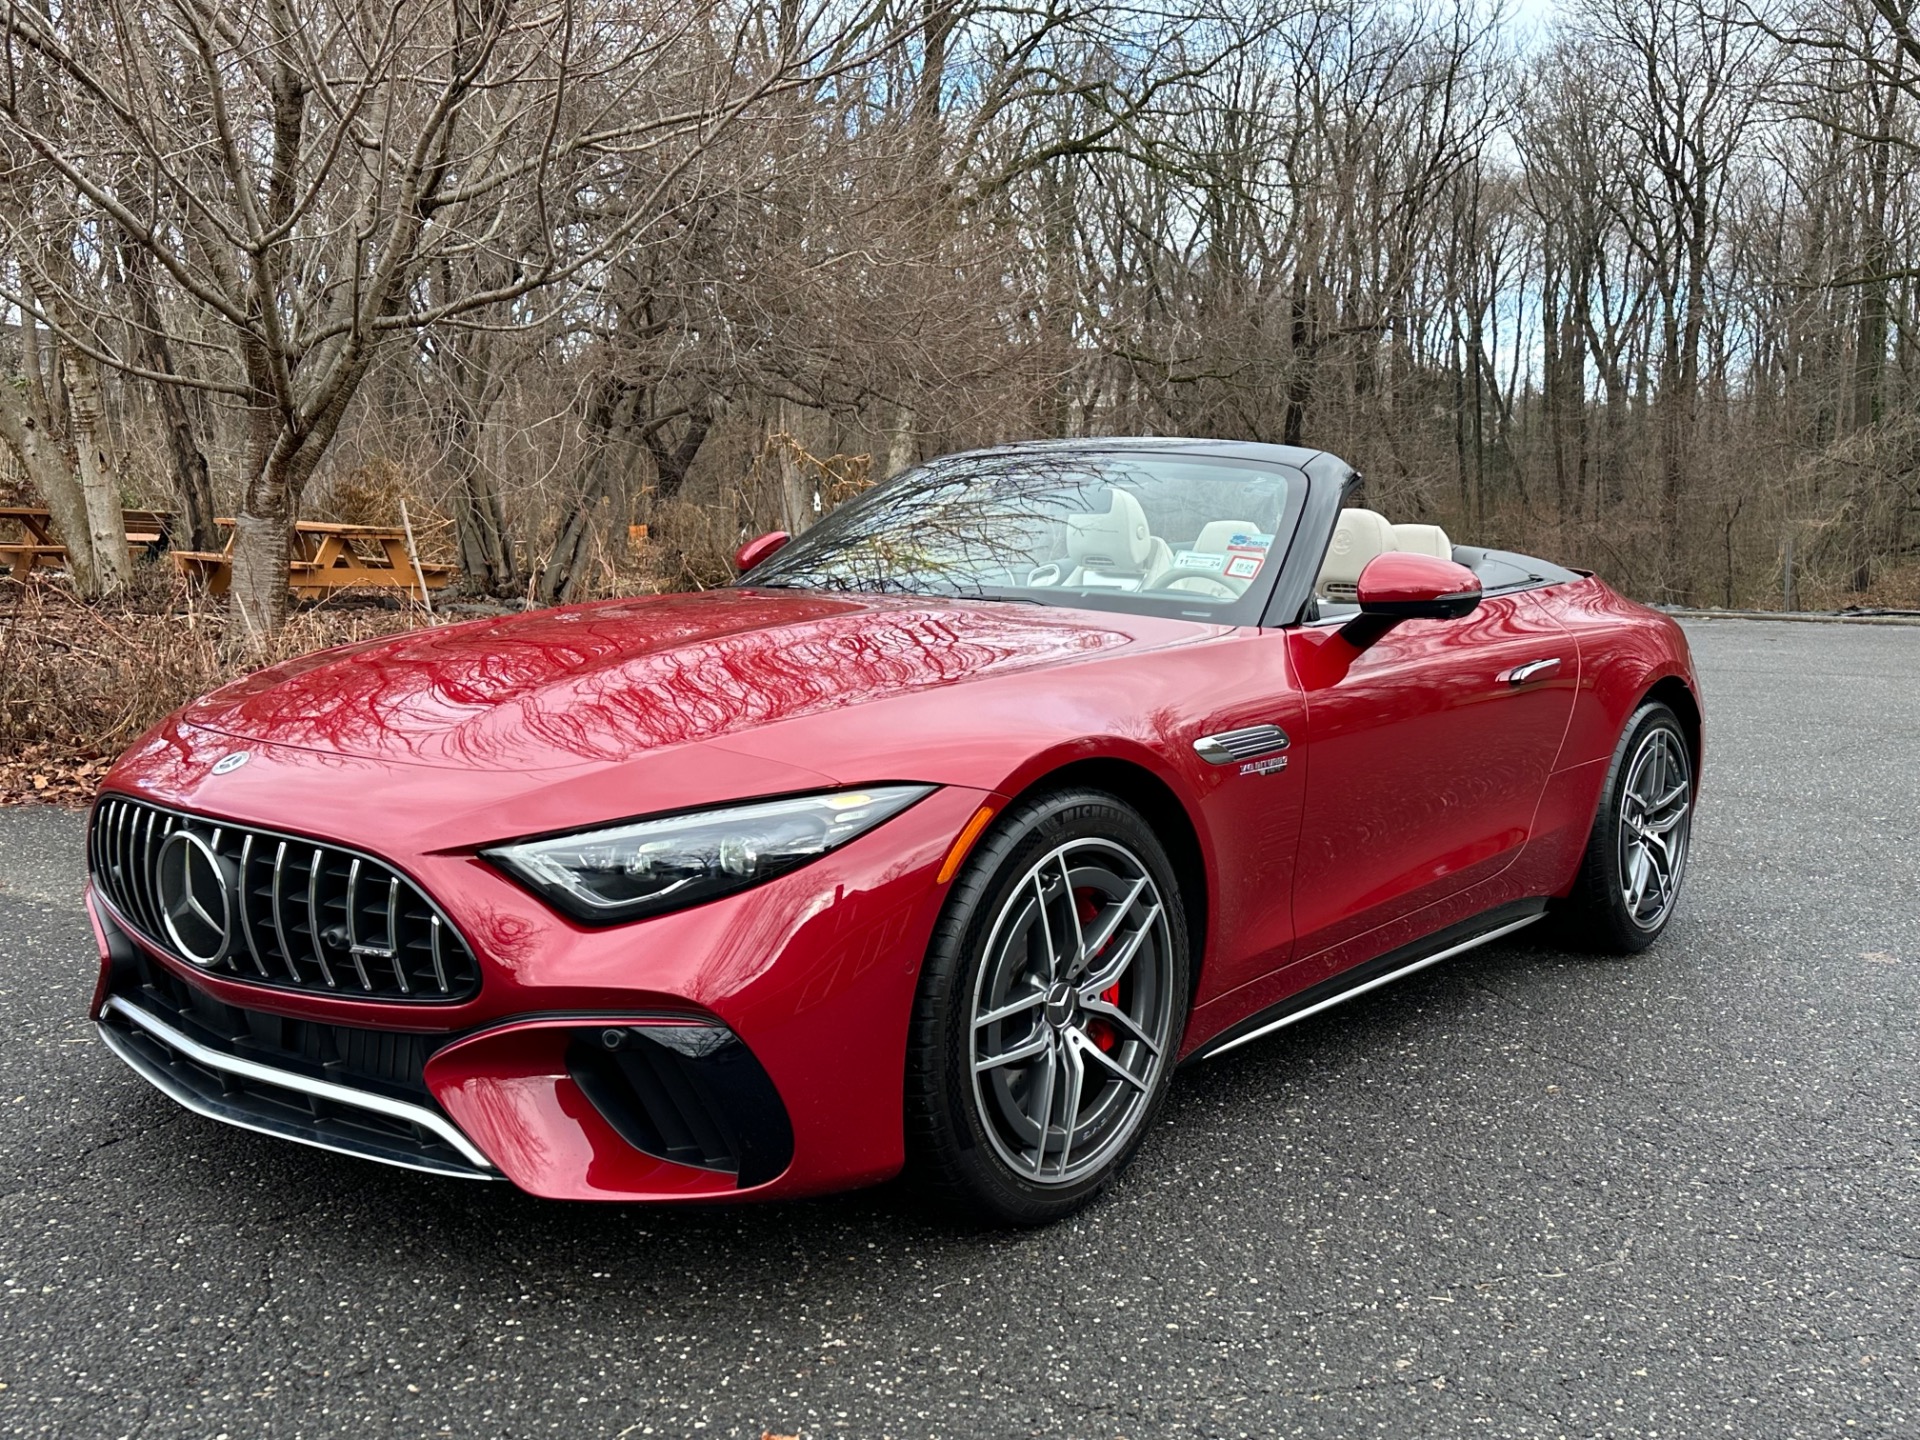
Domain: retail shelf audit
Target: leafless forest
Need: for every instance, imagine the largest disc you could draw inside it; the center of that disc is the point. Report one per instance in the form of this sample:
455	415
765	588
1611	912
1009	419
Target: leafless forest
1629	283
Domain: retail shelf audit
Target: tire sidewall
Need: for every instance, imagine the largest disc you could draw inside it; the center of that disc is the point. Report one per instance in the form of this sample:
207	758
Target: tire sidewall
998	865
1623	933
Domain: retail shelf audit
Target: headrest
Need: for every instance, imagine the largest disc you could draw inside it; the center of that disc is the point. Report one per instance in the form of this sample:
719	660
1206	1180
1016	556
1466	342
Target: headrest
1116	543
1358	536
1216	536
1423	540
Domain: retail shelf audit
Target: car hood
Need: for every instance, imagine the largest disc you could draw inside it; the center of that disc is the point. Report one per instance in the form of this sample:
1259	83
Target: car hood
606	682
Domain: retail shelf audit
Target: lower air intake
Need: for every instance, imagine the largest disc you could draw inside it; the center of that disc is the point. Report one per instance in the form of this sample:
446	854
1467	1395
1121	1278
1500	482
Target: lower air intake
691	1094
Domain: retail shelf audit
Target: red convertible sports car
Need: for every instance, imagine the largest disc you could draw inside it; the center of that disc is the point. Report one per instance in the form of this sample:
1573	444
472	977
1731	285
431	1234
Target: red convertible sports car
937	842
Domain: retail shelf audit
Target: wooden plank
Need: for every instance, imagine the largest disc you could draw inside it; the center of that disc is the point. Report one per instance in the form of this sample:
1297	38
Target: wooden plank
360	532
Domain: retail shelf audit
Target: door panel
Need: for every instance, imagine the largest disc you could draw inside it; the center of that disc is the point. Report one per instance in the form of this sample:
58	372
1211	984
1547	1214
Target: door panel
1426	758
1251	808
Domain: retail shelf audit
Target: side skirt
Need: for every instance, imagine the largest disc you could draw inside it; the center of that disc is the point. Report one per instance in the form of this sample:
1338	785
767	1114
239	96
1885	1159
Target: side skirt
1372	974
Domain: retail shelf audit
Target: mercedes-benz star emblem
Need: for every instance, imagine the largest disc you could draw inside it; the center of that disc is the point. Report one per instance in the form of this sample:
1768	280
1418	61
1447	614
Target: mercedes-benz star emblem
227	764
196	902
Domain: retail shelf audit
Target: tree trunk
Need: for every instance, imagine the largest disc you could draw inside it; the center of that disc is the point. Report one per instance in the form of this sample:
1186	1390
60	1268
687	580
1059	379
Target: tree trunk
24	432
258	590
903	446
560	578
480	523
797	491
192	483
106	522
1300	367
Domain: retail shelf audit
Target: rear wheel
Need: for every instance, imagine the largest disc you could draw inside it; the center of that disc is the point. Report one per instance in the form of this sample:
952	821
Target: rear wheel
1054	996
1636	858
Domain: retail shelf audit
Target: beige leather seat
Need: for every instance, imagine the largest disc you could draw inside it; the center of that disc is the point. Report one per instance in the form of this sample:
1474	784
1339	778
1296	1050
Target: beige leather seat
1423	540
1115	548
1358	536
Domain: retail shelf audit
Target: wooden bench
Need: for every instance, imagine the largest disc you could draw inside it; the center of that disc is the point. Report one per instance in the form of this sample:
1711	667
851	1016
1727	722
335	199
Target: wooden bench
145	531
22	556
323	557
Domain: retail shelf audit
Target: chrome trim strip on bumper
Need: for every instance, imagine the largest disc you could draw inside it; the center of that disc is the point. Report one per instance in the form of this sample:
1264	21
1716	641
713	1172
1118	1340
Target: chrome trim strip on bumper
1375	984
143	1019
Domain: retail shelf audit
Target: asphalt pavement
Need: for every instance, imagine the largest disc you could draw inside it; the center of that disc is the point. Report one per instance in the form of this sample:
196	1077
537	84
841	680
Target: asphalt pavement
1523	1194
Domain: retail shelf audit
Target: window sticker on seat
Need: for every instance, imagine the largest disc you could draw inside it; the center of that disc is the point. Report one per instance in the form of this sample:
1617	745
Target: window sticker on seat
1243	567
1198	560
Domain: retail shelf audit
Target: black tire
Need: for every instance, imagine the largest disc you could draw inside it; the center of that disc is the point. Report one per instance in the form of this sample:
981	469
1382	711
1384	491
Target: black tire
1601	914
966	1141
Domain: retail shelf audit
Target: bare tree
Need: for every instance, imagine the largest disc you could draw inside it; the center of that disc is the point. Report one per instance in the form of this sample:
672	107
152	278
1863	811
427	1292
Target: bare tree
297	172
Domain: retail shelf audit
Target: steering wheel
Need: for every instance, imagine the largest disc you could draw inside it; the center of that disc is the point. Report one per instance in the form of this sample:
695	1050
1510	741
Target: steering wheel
1199	585
1043	575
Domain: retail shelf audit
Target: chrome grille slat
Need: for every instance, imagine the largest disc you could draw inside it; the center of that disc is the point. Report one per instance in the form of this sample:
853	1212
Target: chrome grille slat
393	936
314	943
246	905
353	926
287	941
279	926
439	960
145	871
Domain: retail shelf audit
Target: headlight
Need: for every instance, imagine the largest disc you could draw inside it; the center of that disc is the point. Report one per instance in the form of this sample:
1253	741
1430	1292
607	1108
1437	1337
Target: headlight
627	872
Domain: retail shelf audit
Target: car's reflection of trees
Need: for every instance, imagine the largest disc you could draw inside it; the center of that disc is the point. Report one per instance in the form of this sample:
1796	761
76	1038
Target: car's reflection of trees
972	526
576	686
604	682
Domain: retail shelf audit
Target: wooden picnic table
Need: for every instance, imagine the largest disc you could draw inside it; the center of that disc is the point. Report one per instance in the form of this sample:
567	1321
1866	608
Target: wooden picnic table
145	531
323	557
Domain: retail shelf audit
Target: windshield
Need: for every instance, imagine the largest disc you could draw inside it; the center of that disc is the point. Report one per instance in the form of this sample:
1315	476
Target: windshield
1129	531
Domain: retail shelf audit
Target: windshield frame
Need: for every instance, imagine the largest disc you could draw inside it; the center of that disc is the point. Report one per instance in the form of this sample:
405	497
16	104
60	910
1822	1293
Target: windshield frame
1248	609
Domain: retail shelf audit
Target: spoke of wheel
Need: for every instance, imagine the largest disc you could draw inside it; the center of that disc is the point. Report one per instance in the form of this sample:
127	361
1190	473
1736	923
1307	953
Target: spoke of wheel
1044	1118
1070	1104
1046	927
1084	1046
1660	861
1637	880
1111	924
1025	1050
1011	1008
1668	811
1116	967
1073	909
1113	1013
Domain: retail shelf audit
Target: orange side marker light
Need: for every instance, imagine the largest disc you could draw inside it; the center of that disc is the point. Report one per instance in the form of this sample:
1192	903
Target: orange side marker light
962	843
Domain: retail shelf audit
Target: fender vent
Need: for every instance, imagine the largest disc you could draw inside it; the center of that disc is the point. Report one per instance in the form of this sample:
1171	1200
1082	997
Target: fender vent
1247	744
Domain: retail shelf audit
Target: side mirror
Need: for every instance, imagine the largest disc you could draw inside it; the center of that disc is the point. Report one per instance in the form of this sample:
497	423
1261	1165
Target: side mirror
1403	585
758	549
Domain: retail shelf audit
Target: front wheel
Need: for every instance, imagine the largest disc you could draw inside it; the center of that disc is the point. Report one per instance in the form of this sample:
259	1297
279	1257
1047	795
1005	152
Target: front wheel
1049	1012
1636	857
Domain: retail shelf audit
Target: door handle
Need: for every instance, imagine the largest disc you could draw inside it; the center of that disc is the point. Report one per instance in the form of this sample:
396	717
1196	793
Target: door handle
1532	670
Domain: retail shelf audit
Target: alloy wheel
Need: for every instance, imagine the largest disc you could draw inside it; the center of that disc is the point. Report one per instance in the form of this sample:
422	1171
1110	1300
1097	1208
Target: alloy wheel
1071	1012
1656	805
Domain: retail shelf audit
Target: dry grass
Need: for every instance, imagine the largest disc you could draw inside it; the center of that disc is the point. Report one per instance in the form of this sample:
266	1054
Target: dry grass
79	682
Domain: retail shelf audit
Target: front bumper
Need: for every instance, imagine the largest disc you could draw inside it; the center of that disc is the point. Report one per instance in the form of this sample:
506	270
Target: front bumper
751	1046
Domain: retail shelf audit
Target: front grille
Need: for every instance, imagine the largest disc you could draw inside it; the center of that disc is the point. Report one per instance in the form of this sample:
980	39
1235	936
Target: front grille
296	914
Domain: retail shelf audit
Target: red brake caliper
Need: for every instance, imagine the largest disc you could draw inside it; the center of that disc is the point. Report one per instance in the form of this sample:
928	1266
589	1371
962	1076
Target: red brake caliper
1098	1030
